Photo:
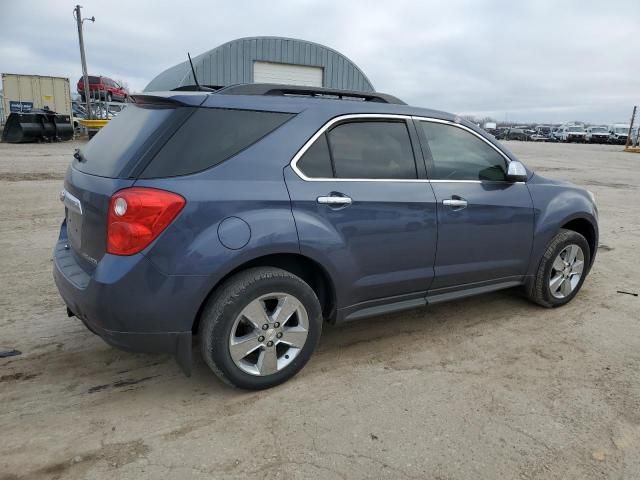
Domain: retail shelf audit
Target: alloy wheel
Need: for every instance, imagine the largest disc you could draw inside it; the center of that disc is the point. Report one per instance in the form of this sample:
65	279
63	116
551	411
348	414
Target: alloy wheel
566	271
268	334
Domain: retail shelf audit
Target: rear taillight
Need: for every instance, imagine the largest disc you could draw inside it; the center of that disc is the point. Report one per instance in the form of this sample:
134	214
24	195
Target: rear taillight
137	216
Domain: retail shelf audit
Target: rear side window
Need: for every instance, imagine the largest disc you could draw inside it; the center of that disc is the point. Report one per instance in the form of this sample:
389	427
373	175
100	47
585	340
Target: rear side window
316	161
367	150
93	80
117	144
209	137
460	155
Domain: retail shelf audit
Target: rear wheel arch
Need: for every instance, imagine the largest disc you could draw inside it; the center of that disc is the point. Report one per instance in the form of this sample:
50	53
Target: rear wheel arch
302	266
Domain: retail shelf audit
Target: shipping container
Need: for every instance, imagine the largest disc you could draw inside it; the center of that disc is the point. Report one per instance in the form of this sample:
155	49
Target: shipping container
22	93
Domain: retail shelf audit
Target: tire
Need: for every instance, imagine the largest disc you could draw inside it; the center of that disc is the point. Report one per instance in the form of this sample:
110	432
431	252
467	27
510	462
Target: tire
539	290
224	319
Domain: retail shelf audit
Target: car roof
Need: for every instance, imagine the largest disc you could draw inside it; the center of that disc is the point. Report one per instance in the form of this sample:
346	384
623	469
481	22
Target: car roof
297	100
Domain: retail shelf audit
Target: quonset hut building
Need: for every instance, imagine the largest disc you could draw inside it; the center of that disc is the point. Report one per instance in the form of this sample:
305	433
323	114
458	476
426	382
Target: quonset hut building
267	60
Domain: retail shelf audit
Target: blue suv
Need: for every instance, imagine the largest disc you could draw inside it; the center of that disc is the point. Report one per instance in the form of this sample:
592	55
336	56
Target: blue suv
249	215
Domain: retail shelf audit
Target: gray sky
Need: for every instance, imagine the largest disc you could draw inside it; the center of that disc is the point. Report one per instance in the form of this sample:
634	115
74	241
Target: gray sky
538	61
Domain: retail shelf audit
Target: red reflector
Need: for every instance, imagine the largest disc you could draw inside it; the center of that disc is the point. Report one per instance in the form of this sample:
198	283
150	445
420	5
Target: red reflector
137	222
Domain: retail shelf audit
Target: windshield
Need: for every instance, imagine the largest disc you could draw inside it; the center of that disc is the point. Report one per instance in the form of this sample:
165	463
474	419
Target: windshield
621	129
575	129
599	130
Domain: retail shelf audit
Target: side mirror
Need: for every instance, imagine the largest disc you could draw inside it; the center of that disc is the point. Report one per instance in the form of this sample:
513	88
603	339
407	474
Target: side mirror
516	172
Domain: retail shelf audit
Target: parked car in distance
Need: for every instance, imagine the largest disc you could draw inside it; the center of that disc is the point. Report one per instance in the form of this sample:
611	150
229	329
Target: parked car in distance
618	133
597	134
103	88
542	133
501	133
517	133
249	216
572	133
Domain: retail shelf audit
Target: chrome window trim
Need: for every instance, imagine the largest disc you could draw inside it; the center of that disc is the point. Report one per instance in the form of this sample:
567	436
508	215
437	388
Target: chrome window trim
392	116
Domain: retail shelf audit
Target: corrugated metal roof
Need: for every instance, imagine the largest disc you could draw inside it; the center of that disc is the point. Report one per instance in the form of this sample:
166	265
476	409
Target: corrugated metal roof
232	63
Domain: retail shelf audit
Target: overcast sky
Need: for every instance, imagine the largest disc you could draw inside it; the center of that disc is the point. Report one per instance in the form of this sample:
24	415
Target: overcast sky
543	61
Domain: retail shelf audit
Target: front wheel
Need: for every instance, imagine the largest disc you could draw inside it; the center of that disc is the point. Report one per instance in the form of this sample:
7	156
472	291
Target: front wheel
260	328
561	271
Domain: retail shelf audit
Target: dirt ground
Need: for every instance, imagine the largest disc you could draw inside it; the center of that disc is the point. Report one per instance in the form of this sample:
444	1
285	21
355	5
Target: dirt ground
490	387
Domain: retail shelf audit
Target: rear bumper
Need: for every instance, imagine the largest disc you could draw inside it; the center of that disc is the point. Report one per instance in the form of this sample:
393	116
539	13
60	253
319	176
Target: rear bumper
129	303
176	343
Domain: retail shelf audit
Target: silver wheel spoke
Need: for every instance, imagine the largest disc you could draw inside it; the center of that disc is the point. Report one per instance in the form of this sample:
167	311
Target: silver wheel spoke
267	362
555	283
295	337
256	314
577	267
571	256
243	346
566	287
558	264
287	306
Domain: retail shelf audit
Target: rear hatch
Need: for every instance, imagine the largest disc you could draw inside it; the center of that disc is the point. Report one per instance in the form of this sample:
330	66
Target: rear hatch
109	162
154	138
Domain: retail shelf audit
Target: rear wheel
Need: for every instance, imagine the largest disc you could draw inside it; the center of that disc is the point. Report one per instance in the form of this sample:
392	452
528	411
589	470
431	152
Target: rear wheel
562	270
260	328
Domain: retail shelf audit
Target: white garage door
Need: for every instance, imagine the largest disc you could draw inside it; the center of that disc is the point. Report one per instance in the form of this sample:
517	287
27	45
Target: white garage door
267	72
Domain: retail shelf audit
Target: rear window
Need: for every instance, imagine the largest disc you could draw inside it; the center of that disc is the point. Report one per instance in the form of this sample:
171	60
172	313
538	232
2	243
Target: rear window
120	142
94	80
209	137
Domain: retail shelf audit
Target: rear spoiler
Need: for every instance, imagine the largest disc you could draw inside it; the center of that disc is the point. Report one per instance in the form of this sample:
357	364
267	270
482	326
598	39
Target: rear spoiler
155	100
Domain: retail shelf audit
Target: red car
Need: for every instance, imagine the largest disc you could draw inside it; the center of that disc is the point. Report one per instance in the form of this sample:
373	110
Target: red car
103	88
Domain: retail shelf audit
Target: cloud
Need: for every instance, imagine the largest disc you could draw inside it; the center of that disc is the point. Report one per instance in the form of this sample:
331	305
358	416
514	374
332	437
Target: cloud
538	61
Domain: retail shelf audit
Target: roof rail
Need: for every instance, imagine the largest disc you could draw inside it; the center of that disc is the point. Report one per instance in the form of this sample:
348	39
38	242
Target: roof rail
295	90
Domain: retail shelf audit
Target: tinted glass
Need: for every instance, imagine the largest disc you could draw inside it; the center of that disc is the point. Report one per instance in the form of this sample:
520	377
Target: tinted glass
209	137
372	150
460	155
316	161
93	80
118	143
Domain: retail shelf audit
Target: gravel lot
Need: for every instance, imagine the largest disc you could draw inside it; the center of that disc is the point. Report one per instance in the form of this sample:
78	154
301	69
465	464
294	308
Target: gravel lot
486	388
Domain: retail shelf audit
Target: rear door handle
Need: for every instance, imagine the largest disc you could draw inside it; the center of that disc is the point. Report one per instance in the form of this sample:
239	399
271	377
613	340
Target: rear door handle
335	200
455	202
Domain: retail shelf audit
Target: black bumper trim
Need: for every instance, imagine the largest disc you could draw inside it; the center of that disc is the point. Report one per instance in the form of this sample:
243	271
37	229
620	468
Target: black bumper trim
177	343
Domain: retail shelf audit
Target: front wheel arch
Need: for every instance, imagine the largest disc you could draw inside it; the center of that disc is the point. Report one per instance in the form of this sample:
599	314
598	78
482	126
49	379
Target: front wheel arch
585	228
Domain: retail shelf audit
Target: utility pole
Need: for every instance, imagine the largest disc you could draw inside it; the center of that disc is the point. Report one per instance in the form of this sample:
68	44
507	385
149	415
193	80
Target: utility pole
83	58
633	117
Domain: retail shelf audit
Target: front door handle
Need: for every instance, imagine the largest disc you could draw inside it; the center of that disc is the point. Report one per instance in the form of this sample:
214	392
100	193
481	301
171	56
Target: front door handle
335	200
455	202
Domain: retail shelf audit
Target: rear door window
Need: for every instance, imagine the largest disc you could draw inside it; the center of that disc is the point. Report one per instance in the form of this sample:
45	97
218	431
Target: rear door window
209	137
362	150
